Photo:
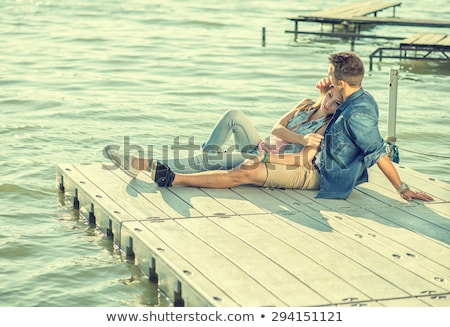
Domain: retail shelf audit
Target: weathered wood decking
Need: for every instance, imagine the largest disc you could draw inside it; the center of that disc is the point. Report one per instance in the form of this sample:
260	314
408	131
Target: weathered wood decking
344	16
355	10
250	246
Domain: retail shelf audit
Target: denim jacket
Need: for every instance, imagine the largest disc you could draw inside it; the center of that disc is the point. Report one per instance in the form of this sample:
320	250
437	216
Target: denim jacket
352	144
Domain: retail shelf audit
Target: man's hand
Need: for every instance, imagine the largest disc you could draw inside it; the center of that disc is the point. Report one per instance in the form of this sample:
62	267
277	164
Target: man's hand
313	139
410	194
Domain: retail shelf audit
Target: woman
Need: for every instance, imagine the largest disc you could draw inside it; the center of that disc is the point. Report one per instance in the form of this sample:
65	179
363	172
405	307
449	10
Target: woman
300	127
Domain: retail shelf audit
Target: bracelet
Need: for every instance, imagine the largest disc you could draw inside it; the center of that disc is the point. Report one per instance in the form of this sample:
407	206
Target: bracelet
266	155
403	188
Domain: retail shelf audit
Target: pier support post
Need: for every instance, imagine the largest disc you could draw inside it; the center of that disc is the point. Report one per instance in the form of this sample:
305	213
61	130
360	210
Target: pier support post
152	275
392	113
61	184
178	300
109	230
263	36
91	215
129	251
76	202
392	117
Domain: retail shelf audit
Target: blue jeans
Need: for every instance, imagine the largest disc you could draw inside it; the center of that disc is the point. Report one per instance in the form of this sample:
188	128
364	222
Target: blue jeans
214	156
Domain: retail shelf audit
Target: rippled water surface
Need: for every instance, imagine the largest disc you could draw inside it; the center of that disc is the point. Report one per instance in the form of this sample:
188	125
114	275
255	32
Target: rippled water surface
78	75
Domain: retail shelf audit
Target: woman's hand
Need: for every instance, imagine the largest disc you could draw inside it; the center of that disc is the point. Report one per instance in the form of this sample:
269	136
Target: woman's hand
266	148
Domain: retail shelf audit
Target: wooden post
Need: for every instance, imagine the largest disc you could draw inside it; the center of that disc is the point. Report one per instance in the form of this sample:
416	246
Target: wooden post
296	30
390	139
263	36
392	113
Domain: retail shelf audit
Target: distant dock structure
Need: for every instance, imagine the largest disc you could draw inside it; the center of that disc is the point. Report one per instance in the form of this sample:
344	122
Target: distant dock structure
350	22
350	18
422	46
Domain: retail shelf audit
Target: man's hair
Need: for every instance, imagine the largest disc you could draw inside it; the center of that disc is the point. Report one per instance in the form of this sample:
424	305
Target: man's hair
348	67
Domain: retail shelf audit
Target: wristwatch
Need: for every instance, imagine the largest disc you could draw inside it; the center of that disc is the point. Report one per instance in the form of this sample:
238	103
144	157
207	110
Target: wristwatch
403	188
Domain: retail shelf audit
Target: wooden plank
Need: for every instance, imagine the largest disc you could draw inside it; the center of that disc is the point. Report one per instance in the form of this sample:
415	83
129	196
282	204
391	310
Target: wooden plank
272	201
363	20
316	252
436	300
347	35
418	217
360	264
399	21
158	202
420	224
260	233
444	42
280	282
385	239
411	39
428	39
388	254
204	204
123	190
354	9
196	240
154	256
441	209
367	8
438	189
381	263
234	201
431	39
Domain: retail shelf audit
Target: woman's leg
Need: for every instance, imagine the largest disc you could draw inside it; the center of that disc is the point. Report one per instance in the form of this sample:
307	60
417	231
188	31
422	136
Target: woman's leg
214	157
246	137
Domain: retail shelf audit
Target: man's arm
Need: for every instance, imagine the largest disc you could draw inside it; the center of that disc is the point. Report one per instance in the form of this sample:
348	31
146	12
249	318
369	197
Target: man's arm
388	169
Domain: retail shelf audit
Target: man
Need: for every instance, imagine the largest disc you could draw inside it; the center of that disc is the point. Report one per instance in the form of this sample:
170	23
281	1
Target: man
352	143
352	140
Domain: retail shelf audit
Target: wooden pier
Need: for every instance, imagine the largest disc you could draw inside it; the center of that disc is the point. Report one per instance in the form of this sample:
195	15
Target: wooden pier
349	21
422	46
344	17
251	246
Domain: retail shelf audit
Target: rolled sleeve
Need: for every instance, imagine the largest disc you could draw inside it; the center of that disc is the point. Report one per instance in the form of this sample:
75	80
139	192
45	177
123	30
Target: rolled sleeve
372	158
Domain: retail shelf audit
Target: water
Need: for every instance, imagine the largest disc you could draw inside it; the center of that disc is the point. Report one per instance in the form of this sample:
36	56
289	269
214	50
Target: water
78	75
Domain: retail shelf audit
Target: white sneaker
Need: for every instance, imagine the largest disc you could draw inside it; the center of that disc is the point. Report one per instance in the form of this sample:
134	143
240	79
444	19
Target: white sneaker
120	161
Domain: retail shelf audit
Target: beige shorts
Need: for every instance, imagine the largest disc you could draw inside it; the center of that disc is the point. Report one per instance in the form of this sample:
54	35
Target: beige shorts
281	176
